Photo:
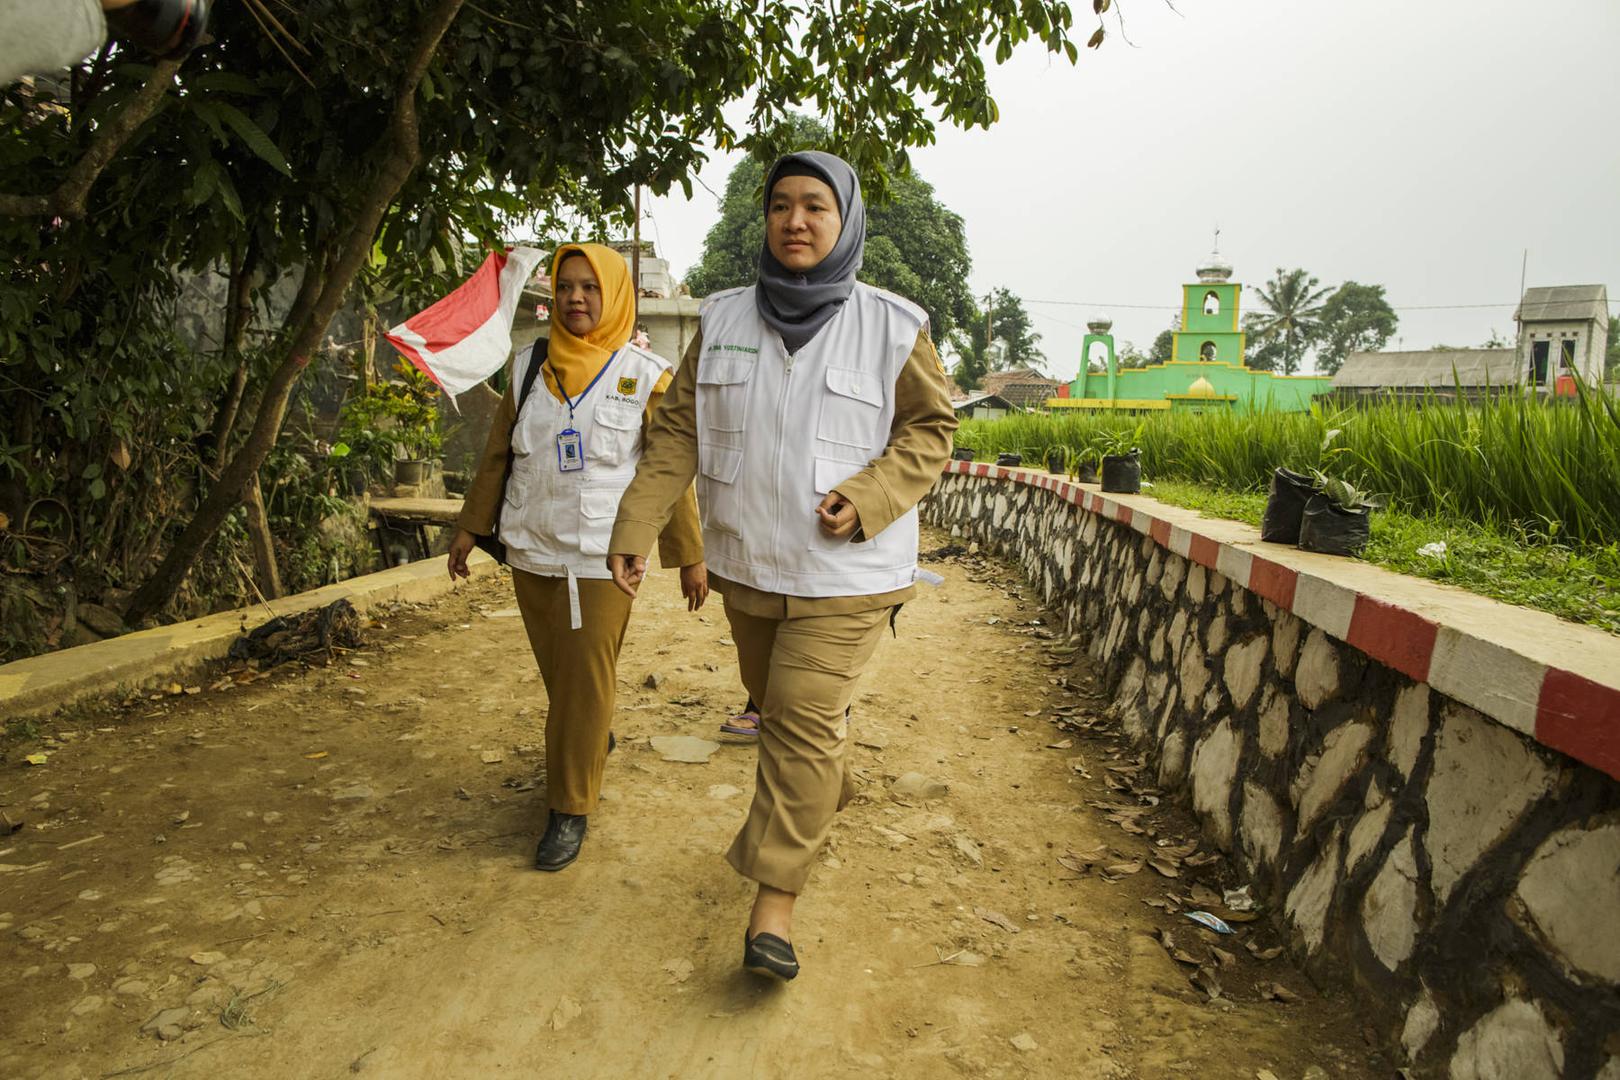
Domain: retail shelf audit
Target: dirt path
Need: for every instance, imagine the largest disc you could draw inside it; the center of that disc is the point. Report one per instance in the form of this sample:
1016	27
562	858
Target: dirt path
319	875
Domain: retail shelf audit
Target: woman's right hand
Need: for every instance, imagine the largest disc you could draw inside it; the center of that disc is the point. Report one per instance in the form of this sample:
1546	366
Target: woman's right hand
460	548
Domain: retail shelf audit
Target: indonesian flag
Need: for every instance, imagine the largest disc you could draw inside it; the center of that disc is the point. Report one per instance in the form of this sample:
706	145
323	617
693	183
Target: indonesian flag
465	337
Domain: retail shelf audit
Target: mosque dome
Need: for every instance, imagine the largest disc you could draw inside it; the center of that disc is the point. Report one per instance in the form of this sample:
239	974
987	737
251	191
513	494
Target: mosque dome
1214	268
1201	388
1099	324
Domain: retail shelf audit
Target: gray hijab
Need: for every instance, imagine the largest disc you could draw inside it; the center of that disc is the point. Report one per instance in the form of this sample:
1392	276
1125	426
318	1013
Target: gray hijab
797	306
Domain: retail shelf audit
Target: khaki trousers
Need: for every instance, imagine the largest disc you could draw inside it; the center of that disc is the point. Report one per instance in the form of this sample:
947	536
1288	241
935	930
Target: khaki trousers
579	668
801	673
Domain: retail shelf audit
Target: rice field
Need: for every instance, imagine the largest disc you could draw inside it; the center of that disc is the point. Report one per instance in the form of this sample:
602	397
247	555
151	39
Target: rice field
1549	471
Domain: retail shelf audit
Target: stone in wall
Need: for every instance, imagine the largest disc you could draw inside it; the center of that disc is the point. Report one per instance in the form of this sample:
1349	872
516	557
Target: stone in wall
1573	874
1325	670
1175	570
1485	777
1274	723
1408	726
1215	637
1196	583
1173	760
1285	632
1422	1021
1260	824
1325	774
1193	671
1214	769
1369	829
1512	1042
1242	672
1389	910
1308	901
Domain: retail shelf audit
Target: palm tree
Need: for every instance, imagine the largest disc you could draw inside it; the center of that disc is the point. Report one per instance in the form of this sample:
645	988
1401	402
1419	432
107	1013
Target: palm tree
1292	314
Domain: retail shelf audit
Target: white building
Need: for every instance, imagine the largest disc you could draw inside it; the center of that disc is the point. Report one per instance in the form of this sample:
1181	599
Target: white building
1563	331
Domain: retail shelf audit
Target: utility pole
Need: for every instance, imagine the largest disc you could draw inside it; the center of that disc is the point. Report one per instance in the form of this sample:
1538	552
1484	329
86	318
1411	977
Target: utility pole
989	313
635	257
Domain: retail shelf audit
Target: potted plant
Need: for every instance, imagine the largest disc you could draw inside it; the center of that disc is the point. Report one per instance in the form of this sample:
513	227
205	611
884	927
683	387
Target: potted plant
1083	464
394	426
1338	518
1290	492
1056	457
963	453
1121	461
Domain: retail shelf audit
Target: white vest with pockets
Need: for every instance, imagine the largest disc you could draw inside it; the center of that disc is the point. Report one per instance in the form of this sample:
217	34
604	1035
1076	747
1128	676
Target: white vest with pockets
776	433
555	523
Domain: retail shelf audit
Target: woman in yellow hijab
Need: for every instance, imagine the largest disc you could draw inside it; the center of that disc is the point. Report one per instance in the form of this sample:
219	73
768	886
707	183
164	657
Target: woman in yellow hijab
552	472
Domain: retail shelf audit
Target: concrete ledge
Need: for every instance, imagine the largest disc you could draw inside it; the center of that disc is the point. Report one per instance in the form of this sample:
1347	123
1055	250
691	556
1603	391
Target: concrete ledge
49	681
1553	681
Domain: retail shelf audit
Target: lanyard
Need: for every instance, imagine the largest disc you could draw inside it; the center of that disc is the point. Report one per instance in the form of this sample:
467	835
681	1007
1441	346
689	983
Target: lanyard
573	403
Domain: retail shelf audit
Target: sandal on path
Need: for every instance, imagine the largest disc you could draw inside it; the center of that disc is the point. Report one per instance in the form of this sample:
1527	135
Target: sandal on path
744	723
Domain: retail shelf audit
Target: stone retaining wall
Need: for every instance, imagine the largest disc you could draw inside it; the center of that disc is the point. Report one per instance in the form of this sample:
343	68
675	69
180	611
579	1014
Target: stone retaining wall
1465	875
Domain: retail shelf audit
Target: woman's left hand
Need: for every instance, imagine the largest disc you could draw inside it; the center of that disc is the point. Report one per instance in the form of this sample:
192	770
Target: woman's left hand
837	516
695	585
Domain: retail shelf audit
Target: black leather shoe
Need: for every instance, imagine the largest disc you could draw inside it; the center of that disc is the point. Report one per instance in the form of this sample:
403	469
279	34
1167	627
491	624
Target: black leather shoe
769	955
560	844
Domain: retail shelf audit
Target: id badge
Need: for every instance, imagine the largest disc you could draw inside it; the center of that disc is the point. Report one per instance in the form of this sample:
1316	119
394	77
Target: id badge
570	451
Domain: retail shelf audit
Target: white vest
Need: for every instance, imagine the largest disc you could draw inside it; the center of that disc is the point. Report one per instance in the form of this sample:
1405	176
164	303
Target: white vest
776	433
557	523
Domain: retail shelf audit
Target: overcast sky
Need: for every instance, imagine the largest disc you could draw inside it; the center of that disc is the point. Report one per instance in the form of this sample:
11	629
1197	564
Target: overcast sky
1421	146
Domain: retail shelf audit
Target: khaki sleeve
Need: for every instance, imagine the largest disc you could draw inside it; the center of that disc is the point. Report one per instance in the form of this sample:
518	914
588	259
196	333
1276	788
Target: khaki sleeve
669	461
483	502
681	542
919	444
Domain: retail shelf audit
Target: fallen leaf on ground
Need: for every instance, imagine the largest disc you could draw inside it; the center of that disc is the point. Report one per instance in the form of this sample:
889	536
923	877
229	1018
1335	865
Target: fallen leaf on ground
1164	867
996	918
1121	869
1177	953
679	970
1278	992
36	759
1061	744
566	1012
316	756
1263	954
491	757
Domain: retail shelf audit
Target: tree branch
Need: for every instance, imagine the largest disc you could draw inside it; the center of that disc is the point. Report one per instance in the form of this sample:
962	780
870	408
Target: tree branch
68	200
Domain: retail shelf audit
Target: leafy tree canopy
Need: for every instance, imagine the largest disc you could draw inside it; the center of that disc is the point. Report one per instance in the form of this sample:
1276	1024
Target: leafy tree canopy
1355	318
914	245
335	142
1290	313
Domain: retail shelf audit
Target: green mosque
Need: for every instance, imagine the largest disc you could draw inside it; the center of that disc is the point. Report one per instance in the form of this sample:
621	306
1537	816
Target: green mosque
1205	369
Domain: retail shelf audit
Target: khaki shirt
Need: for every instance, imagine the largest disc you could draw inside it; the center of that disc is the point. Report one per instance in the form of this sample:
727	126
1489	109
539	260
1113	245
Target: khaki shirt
919	446
680	542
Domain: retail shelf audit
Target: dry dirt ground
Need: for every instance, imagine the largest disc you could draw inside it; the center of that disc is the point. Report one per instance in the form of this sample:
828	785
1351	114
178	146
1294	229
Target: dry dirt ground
324	873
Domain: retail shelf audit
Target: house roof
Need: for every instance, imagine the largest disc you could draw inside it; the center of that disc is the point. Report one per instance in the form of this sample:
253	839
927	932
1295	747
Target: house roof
1022	387
993	400
1438	368
1564	303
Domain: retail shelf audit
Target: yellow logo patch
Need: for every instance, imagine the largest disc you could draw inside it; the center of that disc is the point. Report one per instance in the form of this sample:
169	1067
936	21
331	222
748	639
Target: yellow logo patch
627	386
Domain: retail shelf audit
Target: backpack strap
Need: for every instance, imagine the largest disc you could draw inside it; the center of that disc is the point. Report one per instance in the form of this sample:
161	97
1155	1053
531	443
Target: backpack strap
537	357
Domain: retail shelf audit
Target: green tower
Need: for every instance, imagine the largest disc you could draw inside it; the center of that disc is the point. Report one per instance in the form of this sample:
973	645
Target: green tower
1209	316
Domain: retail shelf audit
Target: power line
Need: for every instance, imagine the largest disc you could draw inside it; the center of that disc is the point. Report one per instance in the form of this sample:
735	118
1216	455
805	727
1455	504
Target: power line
1408	307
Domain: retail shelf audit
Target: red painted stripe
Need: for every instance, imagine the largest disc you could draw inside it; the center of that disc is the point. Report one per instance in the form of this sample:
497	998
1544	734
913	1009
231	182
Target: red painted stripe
983	469
1580	718
1273	581
1396	637
1122	513
1160	531
1203	551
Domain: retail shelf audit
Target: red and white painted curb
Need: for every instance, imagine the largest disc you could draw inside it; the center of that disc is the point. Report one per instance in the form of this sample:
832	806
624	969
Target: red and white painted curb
1574	712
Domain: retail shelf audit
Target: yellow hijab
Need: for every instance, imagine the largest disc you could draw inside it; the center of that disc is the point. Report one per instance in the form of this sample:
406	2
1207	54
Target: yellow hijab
577	360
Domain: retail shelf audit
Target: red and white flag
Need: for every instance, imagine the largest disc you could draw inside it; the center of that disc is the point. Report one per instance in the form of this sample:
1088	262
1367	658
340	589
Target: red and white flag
466	337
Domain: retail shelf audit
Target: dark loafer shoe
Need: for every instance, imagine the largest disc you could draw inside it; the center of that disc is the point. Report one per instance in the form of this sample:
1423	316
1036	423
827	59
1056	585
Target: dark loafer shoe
560	844
769	955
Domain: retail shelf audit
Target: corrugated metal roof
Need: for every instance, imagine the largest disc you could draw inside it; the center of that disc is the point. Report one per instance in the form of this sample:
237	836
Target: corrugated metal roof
981	399
1439	368
1563	303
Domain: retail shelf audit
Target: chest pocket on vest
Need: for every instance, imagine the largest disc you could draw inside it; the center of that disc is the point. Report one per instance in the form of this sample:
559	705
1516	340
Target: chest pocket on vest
616	430
849	414
722	387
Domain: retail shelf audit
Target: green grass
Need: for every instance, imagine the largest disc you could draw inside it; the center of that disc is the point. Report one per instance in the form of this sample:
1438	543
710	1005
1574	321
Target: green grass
1582	585
1515	464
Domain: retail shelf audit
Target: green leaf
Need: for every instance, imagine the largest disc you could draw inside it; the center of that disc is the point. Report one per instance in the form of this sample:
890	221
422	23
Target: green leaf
226	81
98	488
91	471
253	136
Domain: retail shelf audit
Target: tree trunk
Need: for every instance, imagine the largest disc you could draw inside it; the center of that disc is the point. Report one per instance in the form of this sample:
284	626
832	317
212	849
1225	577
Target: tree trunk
399	160
264	548
68	200
238	314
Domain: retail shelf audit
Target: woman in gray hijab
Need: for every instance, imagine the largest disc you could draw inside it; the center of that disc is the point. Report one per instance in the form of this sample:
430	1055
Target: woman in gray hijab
812	410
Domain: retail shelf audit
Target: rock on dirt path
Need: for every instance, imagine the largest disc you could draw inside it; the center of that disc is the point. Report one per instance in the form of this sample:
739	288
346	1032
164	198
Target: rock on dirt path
324	873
